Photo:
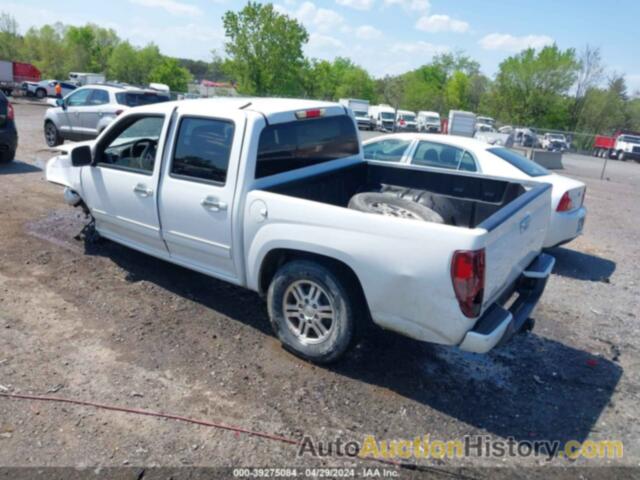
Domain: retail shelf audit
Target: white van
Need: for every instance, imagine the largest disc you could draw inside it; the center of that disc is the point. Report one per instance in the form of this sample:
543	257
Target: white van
406	121
382	117
429	122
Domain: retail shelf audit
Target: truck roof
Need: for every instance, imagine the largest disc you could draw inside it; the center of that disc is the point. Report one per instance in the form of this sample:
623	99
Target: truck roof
271	108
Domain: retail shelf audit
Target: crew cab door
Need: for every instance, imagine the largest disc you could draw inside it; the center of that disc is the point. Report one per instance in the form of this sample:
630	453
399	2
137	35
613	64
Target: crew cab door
121	188
197	192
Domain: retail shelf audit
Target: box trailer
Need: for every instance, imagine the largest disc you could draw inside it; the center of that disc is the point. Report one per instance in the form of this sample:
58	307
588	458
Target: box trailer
13	74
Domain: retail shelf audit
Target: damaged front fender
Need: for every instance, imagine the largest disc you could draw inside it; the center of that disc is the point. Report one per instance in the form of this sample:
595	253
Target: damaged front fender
61	172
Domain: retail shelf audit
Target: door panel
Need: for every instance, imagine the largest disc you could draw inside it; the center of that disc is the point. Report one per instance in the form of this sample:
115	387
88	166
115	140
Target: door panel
197	193
121	190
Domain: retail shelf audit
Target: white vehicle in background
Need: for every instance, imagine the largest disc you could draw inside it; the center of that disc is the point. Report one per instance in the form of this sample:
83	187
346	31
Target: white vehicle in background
406	121
486	120
82	78
274	195
461	123
555	142
429	122
485	128
445	152
360	109
383	117
47	88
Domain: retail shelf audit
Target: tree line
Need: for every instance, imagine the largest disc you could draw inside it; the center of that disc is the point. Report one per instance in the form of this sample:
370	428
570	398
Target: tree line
549	88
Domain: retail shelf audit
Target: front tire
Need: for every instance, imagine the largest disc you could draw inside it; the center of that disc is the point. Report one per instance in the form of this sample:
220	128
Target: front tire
52	135
311	311
7	156
621	156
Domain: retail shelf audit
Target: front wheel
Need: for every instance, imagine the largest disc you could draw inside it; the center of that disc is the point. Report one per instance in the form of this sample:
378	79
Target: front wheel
311	311
52	135
621	156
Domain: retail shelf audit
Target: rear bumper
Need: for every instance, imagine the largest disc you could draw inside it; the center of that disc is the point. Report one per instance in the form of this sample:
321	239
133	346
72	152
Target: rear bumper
498	324
8	139
564	227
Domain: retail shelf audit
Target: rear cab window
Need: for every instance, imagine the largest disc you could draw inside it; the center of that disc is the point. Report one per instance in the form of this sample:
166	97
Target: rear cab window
289	146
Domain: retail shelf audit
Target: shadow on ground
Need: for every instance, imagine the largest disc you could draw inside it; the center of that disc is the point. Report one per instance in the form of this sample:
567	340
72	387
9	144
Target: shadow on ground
582	266
17	167
533	388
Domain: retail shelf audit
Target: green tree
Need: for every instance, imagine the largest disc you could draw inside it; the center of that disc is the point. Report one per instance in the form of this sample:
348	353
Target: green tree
264	50
133	65
44	48
531	87
172	74
11	44
458	91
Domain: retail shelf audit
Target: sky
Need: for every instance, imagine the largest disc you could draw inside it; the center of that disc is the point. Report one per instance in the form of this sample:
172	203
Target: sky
384	36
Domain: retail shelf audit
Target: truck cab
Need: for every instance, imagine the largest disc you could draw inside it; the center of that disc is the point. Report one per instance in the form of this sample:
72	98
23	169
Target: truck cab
429	122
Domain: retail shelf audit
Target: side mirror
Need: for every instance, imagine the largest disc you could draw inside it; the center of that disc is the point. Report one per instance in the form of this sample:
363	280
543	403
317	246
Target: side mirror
81	156
60	103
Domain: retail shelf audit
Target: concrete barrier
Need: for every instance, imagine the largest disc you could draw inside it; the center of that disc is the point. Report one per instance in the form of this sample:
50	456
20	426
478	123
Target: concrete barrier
550	160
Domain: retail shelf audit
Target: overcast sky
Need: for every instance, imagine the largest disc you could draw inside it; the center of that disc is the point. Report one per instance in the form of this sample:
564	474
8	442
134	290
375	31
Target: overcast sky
384	36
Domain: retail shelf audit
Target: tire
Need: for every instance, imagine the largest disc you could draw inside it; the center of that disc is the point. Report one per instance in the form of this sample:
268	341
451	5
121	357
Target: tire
296	326
7	156
621	156
381	204
41	93
52	135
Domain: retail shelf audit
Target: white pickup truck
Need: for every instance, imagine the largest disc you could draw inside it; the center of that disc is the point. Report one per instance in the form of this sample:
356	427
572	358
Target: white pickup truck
256	192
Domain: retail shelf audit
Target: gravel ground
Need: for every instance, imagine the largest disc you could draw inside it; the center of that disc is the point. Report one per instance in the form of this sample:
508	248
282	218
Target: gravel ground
103	323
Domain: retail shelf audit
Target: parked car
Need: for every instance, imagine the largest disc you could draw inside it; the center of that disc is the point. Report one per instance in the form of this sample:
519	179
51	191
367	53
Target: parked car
437	152
256	191
556	142
406	121
47	88
383	117
429	122
89	110
8	132
485	128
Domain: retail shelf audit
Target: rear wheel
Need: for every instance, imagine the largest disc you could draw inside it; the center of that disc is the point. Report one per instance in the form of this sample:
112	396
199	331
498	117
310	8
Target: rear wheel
52	135
7	156
41	93
311	310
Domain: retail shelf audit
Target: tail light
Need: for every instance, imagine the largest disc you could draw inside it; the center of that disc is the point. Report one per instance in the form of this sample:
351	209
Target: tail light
10	112
467	276
565	204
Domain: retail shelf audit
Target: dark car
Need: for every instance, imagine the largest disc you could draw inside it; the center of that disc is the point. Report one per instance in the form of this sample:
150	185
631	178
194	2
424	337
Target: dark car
8	132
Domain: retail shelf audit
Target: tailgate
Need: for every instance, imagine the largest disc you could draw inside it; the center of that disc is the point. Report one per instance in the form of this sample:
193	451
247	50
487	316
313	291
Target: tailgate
515	234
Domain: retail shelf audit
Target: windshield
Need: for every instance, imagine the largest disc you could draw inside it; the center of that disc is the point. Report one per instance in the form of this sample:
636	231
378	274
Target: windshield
556	136
360	113
407	117
432	119
630	139
387	115
132	99
521	163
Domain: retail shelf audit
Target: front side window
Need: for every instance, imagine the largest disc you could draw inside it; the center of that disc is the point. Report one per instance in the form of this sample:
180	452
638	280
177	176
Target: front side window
133	145
388	150
431	154
288	146
79	98
203	149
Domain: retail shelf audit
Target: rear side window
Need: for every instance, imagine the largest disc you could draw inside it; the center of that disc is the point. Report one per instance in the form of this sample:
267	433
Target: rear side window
432	154
99	97
520	162
136	99
289	146
202	149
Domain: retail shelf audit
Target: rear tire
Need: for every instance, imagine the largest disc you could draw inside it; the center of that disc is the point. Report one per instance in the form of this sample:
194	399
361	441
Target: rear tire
7	156
382	204
41	93
311	310
52	135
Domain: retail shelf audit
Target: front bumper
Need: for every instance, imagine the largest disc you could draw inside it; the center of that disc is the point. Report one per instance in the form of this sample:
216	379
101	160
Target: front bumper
564	227
498	324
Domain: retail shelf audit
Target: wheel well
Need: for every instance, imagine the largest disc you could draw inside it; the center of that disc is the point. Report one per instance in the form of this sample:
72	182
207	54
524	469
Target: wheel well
278	257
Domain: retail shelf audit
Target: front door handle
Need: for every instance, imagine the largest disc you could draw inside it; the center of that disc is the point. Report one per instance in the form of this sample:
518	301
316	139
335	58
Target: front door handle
213	204
142	190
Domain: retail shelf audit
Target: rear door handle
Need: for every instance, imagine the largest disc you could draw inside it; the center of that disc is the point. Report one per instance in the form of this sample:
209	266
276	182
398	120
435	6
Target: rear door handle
213	204
142	190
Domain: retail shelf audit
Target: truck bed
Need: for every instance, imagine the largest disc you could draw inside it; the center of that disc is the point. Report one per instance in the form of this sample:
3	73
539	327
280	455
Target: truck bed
464	201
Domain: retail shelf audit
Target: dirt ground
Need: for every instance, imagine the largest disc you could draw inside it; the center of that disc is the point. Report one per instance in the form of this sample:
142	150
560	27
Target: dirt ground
103	323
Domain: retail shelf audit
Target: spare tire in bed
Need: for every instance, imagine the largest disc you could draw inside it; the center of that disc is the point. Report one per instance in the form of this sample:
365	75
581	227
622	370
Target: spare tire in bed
373	202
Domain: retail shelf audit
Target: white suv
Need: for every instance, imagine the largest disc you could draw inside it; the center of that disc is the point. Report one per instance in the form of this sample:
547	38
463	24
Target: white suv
87	111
